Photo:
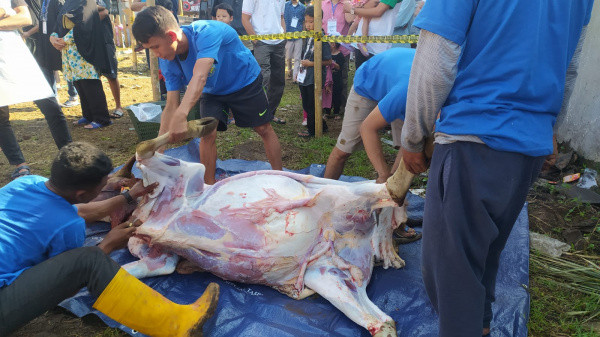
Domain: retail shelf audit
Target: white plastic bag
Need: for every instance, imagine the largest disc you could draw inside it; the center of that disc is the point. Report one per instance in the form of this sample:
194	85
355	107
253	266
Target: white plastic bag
588	179
147	112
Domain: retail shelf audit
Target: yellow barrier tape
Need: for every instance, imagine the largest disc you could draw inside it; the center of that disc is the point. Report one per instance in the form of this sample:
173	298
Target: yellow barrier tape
335	38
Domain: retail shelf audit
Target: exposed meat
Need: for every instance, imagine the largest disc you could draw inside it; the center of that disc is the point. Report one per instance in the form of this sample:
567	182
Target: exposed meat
296	233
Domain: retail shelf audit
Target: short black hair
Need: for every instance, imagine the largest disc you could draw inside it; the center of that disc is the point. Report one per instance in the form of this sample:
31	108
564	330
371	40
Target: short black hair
224	6
153	21
310	11
78	166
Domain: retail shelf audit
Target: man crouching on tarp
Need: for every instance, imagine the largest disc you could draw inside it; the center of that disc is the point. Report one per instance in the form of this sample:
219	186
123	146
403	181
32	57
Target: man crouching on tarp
42	229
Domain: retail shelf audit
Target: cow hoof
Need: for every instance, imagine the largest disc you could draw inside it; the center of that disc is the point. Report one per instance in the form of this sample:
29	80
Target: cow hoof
388	329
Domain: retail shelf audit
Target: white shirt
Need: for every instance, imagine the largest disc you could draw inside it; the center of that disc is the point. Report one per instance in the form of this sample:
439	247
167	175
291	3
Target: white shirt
265	16
381	26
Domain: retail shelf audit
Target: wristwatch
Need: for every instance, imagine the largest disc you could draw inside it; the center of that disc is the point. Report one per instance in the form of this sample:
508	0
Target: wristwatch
128	197
352	10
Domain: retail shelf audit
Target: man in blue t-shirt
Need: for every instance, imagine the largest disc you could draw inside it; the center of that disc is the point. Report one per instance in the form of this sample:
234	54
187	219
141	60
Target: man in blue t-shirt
211	60
43	261
377	99
500	72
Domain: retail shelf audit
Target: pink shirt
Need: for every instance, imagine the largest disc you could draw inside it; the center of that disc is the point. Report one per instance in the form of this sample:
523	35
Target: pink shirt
336	12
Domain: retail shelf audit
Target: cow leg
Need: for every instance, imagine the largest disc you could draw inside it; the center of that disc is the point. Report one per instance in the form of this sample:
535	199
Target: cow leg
388	219
152	261
338	288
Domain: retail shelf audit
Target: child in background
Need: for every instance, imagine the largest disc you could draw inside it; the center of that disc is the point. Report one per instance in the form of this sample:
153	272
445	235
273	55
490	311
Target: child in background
306	76
337	66
224	12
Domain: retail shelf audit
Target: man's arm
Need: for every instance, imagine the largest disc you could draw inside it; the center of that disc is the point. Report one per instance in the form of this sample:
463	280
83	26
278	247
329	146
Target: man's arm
283	24
431	79
97	210
170	108
247	25
368	13
30	32
370	137
21	19
178	121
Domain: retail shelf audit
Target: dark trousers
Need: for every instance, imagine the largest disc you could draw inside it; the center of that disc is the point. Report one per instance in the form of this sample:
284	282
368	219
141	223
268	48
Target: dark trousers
53	113
345	70
474	196
8	141
45	285
93	101
271	58
359	58
337	95
308	104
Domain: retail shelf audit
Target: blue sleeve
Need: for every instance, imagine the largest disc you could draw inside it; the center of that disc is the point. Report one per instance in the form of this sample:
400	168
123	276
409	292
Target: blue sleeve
69	237
172	73
449	19
208	41
393	105
588	16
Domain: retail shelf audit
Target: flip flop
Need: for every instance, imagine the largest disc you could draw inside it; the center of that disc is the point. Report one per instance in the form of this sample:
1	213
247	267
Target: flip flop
96	125
117	113
278	120
21	171
304	134
82	121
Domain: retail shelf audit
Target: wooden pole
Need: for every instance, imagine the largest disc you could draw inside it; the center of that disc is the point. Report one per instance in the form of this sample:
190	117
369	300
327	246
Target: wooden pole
154	67
130	17
318	70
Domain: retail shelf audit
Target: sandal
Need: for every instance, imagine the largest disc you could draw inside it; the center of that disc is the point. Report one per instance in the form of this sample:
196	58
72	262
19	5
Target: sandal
21	171
304	134
278	120
117	113
96	125
82	121
406	236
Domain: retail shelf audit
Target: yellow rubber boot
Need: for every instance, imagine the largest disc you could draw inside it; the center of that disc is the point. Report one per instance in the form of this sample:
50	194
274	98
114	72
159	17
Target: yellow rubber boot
130	302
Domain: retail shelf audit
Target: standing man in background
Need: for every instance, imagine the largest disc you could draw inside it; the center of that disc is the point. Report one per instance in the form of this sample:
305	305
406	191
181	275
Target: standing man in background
499	103
266	17
294	21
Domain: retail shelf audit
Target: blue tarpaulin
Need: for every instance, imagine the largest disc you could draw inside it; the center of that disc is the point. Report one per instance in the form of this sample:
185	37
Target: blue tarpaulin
255	310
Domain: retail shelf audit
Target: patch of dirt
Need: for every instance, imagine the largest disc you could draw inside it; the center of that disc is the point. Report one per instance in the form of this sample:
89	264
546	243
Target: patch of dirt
59	322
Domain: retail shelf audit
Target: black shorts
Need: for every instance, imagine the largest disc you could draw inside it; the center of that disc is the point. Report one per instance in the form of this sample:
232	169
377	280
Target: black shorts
249	106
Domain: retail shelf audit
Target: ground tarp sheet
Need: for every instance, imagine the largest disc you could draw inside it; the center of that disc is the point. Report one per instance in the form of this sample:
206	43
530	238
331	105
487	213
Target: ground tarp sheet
254	310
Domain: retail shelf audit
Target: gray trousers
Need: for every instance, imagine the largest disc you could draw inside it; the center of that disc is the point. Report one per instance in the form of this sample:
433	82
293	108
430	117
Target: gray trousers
44	286
271	58
474	196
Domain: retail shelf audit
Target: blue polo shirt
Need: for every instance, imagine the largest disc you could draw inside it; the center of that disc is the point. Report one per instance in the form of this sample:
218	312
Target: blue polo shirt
35	224
290	11
511	74
234	66
384	79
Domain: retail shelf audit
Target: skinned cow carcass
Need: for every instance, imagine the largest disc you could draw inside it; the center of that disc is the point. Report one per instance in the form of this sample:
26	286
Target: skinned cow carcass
296	233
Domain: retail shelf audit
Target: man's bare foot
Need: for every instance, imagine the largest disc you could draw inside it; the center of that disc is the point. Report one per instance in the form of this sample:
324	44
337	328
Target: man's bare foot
486	332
